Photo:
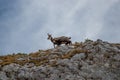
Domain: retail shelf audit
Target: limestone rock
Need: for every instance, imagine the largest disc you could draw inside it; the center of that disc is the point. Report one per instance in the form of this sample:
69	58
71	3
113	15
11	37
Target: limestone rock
67	63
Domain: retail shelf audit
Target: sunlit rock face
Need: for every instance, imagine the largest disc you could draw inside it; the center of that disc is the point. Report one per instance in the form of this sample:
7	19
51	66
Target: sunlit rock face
88	60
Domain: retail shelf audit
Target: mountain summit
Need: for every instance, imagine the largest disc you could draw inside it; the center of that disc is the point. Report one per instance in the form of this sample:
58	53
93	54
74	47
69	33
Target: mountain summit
88	60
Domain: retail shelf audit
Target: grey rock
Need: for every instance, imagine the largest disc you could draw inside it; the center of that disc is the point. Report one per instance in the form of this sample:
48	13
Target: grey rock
64	49
21	59
102	63
117	57
3	76
79	56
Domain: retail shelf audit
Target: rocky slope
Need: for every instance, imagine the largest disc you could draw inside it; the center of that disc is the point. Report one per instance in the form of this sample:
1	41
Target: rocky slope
89	60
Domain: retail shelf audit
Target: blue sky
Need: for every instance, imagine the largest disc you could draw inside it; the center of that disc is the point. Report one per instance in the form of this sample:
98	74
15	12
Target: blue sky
24	24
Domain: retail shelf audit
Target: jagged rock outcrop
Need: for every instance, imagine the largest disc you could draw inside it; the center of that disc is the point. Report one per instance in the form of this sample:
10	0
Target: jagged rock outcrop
89	60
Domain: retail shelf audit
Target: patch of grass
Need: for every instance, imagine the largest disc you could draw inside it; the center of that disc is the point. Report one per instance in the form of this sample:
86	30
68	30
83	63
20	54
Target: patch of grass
41	57
77	44
36	54
8	59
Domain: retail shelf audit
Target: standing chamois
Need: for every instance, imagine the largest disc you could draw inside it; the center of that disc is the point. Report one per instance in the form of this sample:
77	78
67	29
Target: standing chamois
60	40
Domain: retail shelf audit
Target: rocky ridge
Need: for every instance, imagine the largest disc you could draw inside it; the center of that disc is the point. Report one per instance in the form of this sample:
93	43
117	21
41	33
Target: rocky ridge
89	60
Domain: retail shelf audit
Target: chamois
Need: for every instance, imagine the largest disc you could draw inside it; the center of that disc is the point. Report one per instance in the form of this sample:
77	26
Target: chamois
60	40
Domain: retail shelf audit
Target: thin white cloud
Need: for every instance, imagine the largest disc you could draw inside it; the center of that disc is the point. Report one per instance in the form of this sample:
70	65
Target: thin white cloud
79	19
94	16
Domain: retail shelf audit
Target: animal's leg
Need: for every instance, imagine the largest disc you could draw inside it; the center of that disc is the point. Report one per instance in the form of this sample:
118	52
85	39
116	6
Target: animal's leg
58	44
54	45
66	43
70	43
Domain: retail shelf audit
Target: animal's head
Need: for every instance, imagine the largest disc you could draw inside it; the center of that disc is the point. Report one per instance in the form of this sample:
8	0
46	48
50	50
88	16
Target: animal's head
49	36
